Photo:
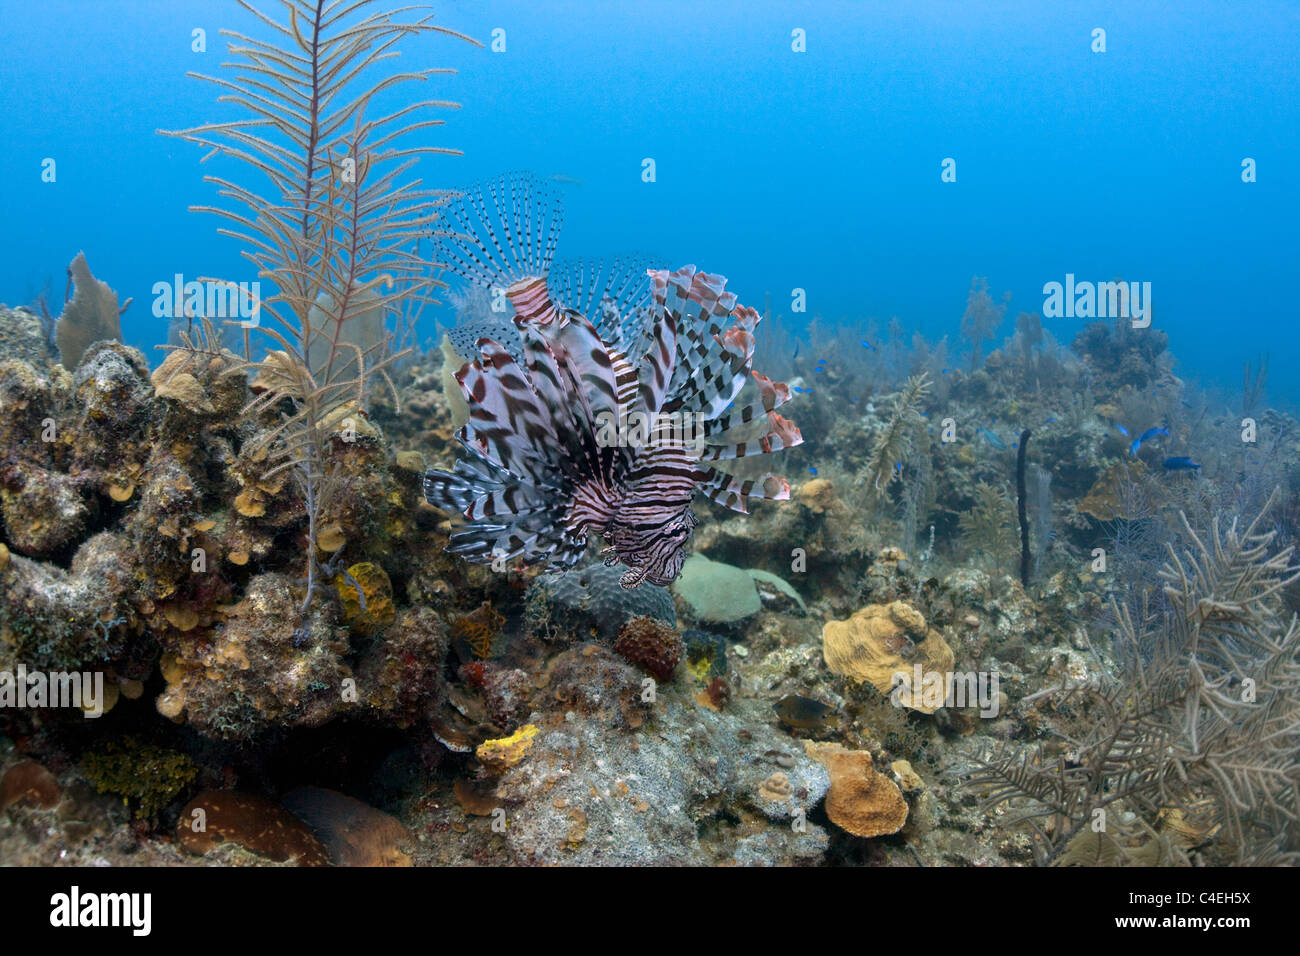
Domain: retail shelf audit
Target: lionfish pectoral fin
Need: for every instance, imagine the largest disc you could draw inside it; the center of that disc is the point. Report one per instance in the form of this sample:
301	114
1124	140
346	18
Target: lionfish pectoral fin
633	577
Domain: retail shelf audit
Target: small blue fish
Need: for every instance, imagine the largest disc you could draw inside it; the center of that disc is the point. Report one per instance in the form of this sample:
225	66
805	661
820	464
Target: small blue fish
991	438
812	470
898	466
798	389
796	351
1122	430
818	369
821	361
1181	464
1148	434
868	345
944	371
1050	420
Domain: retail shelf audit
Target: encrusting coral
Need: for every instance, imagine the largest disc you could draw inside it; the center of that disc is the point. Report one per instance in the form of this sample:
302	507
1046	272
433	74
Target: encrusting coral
861	800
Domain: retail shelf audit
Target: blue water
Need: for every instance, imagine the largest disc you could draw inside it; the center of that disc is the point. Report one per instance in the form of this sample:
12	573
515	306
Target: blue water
817	170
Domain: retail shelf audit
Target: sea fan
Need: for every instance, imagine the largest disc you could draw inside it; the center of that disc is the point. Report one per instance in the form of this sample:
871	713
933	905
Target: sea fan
1201	728
987	525
328	222
606	424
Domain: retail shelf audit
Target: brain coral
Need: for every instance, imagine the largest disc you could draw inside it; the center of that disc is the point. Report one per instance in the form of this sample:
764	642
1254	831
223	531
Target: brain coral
884	640
716	592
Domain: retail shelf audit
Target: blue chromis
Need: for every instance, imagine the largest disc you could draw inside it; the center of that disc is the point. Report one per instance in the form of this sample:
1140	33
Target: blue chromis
1181	464
1148	434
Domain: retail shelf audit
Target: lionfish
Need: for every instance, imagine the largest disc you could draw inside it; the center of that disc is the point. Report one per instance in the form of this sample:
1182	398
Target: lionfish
606	413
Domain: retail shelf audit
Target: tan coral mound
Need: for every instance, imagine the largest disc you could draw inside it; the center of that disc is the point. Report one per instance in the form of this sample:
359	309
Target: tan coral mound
882	640
1122	491
861	800
818	496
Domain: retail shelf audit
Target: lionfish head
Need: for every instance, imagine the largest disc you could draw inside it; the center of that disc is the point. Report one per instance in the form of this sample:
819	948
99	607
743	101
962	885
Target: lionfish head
655	554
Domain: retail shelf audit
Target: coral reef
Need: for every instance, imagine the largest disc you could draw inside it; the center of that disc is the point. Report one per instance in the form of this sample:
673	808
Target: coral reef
1170	742
297	671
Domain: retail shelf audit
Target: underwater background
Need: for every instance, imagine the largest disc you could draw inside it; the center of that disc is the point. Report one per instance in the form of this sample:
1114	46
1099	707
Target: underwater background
817	170
762	486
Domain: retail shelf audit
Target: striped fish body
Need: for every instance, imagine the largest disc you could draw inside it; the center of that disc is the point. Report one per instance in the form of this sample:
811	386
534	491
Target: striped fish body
608	424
